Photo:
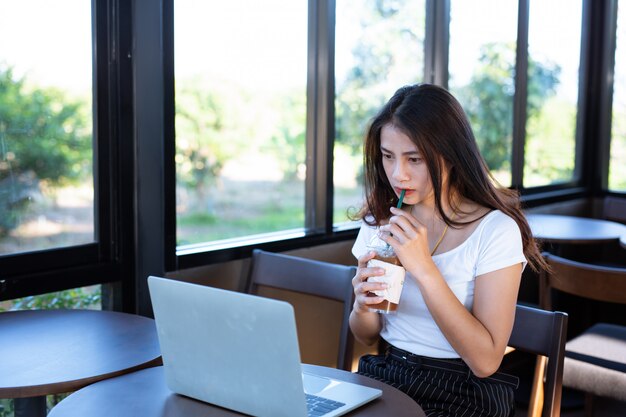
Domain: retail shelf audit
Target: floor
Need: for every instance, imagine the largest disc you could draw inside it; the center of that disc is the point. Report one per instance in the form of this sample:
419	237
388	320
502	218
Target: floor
522	412
573	407
572	403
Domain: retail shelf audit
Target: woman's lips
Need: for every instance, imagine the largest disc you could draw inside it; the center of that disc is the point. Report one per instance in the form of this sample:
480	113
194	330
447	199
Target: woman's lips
406	191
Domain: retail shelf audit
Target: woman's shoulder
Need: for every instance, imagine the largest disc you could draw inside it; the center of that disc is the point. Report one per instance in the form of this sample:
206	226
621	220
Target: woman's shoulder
499	219
471	212
497	229
483	222
365	235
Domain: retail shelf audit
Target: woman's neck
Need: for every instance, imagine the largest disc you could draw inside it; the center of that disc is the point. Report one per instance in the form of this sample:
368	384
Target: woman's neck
428	214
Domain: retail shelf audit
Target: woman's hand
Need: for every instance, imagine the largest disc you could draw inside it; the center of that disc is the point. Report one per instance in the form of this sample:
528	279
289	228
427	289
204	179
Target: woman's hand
362	287
366	325
409	239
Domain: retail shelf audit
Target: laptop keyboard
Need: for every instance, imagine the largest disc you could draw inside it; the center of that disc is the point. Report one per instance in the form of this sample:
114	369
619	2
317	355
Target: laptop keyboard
318	406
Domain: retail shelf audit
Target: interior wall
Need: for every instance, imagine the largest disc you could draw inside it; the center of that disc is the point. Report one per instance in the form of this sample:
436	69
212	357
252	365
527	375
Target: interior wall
233	275
581	207
317	318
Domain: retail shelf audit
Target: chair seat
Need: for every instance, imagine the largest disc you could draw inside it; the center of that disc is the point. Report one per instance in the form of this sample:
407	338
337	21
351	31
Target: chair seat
595	361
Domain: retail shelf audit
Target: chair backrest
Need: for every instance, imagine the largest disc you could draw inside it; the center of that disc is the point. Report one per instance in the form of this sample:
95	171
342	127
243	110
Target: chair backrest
596	282
543	332
614	208
306	276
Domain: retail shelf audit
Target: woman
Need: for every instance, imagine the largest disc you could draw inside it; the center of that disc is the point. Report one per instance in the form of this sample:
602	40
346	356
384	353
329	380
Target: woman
464	244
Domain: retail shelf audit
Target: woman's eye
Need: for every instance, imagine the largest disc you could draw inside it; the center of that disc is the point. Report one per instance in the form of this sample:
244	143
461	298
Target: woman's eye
386	156
415	160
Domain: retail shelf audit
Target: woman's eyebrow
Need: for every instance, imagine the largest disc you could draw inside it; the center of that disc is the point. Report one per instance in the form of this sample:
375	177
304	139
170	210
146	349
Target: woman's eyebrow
383	149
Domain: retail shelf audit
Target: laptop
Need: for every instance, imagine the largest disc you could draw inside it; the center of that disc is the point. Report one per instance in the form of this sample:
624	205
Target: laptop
240	352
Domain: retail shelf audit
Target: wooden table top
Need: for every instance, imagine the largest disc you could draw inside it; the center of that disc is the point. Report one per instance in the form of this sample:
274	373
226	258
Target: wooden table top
54	351
144	393
557	228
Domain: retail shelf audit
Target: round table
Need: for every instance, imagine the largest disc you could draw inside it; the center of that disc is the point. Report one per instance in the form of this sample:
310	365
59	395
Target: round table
557	228
144	393
55	351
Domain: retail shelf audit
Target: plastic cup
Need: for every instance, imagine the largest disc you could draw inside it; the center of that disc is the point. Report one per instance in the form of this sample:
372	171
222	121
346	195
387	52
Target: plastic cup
394	277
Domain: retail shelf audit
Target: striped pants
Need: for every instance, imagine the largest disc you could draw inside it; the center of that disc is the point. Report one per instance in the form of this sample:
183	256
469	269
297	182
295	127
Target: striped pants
443	392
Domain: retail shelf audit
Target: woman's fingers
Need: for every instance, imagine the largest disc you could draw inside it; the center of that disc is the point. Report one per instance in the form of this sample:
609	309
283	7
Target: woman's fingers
365	293
364	259
404	217
362	275
364	289
403	227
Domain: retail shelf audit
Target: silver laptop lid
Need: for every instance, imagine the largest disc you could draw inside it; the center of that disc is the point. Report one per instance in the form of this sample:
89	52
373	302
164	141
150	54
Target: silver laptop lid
230	349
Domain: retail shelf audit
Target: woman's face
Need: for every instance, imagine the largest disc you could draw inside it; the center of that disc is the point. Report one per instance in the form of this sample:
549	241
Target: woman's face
404	167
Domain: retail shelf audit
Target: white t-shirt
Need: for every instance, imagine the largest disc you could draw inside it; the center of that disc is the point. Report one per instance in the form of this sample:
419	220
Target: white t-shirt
496	243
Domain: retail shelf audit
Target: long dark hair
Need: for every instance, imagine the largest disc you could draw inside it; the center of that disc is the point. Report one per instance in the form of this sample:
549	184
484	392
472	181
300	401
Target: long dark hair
435	121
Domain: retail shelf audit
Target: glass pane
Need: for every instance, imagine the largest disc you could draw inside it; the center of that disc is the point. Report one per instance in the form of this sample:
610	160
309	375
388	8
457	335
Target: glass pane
552	100
75	298
46	170
240	117
483	37
379	47
617	164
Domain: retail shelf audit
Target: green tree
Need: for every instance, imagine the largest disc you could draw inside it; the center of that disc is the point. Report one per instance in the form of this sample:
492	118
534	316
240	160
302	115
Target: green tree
41	131
383	56
200	126
288	141
44	140
68	299
488	99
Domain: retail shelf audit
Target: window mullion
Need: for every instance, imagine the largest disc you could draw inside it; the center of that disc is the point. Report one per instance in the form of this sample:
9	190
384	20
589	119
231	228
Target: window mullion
520	99
437	42
320	117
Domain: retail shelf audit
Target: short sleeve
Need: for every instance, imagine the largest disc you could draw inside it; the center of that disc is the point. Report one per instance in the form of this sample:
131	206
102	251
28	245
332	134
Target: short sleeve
365	235
500	244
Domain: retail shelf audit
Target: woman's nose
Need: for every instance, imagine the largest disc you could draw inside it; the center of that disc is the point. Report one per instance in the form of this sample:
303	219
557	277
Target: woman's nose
400	173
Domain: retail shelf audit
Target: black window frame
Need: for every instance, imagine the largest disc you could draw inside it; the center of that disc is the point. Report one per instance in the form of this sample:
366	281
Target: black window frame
55	269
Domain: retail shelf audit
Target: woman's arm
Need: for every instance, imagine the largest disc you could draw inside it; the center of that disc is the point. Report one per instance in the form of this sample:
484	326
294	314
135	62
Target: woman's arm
366	325
479	337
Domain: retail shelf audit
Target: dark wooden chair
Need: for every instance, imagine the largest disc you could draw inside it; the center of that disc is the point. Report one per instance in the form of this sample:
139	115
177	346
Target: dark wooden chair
595	360
306	276
614	209
542	333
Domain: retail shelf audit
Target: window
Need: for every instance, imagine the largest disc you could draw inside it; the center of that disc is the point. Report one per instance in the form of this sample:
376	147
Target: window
61	221
552	91
79	298
617	164
46	170
242	108
481	70
242	155
241	73
379	47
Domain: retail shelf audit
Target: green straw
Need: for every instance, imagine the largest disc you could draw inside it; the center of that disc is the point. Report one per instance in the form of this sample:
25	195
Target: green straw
401	198
399	205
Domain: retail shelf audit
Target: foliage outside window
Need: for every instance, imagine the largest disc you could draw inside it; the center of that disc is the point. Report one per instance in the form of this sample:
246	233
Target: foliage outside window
481	75
240	70
552	100
617	164
379	47
46	169
482	69
84	298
